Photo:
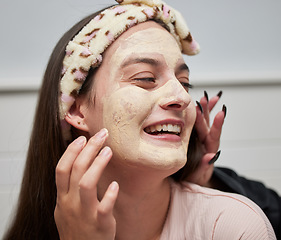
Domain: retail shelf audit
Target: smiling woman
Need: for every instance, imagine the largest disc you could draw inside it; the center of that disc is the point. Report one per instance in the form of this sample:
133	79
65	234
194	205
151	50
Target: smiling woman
107	157
126	90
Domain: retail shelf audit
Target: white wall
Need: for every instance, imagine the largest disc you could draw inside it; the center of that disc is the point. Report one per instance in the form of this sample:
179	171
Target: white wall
241	55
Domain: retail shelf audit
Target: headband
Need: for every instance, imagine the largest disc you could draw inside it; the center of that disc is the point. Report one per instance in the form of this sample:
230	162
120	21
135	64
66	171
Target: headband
85	50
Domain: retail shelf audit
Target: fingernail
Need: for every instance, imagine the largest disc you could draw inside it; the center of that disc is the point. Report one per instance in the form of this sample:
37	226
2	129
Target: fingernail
219	94
102	133
80	140
200	106
106	151
215	158
114	186
206	96
224	109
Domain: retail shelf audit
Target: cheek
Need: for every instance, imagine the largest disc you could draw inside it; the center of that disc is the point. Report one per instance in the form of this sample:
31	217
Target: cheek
119	110
124	112
125	108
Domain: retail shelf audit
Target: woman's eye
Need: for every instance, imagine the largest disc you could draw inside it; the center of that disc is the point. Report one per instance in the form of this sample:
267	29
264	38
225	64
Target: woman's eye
145	82
144	79
186	85
150	79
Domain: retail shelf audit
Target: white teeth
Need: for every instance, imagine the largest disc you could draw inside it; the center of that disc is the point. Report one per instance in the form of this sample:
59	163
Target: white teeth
165	128
170	128
158	128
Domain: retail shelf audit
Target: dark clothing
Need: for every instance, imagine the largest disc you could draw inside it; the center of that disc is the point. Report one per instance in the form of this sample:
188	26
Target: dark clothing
268	200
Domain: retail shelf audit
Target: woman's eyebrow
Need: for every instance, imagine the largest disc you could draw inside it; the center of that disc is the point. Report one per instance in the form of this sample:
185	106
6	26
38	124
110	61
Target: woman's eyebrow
183	67
150	61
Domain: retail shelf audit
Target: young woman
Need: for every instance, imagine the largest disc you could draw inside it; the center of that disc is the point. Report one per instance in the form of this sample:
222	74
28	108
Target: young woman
121	97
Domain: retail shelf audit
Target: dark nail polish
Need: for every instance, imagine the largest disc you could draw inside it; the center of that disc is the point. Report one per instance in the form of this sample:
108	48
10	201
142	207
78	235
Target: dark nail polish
224	109
200	106
206	96
219	94
215	158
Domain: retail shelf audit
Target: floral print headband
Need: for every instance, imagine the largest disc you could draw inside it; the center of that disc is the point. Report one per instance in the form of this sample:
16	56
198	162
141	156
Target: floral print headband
85	50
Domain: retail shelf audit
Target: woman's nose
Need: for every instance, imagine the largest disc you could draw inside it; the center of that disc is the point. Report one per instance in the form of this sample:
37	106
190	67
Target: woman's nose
175	97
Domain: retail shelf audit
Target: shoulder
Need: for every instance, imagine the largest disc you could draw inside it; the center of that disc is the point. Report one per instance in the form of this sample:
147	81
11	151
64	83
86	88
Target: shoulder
227	215
193	191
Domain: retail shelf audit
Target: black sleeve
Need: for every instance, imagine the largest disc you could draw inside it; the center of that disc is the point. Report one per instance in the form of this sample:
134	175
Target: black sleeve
267	199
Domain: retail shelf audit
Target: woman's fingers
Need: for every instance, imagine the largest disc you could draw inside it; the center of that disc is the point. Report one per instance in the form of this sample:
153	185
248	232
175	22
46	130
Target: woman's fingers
207	105
213	101
105	208
201	126
86	157
89	181
79	213
208	135
204	101
215	132
63	169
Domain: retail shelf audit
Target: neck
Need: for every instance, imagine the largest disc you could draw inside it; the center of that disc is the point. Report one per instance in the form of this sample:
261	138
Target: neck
142	205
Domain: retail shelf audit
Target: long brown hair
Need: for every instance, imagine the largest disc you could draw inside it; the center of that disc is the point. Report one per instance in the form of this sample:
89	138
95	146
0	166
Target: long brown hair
34	216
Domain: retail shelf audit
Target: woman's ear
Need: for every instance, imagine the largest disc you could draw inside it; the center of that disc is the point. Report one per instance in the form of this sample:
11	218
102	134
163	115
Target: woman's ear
76	115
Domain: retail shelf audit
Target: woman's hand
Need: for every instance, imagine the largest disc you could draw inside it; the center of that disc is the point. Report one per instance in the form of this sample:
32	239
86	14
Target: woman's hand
78	213
209	138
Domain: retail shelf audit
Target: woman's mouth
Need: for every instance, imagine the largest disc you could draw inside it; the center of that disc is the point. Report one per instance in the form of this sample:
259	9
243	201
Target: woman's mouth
160	129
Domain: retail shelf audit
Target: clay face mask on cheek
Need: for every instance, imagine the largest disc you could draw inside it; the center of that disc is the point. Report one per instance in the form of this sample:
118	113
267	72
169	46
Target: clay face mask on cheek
123	119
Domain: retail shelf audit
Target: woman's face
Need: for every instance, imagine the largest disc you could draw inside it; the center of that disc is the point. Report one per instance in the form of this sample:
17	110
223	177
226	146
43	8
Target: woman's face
140	95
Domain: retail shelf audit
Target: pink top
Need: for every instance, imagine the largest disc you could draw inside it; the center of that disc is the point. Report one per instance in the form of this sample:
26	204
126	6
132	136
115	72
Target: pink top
202	214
